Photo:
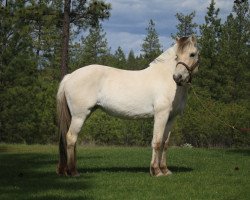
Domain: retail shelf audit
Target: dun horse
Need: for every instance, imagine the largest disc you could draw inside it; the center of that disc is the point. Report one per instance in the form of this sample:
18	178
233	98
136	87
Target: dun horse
159	91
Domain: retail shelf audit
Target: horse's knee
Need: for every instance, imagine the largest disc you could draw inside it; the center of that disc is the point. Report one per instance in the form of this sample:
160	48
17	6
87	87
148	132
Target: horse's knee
156	145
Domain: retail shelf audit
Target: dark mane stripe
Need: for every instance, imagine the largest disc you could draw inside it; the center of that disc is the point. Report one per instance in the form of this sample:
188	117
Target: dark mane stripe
182	43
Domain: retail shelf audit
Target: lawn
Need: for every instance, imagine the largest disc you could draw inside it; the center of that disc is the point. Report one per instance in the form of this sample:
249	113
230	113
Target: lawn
28	172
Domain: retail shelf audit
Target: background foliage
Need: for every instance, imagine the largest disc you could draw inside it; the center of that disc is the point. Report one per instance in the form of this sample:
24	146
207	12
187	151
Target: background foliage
29	76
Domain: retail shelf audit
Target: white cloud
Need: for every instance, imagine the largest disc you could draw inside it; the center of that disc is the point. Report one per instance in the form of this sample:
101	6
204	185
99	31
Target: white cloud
129	18
197	5
126	40
224	5
133	42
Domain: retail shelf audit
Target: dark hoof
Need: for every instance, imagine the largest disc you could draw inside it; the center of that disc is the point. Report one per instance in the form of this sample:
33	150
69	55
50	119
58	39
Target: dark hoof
73	173
62	170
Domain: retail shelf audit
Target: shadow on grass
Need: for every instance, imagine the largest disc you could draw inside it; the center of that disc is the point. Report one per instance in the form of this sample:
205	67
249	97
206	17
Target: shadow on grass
3	149
32	176
175	169
28	176
243	152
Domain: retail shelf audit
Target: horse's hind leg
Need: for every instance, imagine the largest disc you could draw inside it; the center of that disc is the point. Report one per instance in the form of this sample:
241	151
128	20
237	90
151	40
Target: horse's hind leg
71	138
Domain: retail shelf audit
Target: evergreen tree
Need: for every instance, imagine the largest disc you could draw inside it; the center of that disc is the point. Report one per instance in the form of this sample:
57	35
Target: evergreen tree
186	25
131	63
94	49
234	53
18	75
209	76
120	59
46	33
82	15
151	47
210	34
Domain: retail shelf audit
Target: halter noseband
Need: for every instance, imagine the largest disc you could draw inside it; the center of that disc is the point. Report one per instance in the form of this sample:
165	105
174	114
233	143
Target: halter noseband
190	69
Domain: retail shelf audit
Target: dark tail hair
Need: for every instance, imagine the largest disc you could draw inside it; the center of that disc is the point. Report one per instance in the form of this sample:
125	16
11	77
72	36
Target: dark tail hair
64	119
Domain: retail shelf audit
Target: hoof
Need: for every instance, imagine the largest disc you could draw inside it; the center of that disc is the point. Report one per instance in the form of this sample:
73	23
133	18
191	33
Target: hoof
73	173
159	174
155	172
165	171
61	170
168	173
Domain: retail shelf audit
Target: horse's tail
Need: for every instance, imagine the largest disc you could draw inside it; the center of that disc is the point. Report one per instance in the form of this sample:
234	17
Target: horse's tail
64	119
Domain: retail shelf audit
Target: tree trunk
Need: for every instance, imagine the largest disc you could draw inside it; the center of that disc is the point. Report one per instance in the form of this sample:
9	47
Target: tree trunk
65	39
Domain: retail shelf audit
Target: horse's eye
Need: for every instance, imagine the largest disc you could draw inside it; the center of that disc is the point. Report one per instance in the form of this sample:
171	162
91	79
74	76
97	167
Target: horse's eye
192	55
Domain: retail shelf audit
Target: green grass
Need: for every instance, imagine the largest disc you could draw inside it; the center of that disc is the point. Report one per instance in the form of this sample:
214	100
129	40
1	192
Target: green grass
28	172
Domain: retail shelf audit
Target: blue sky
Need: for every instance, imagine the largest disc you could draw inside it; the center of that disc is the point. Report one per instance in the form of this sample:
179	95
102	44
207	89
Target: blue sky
129	18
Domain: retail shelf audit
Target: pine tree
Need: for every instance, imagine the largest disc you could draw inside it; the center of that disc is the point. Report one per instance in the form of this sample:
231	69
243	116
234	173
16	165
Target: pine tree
18	75
120	59
131	63
234	54
209	76
151	47
210	34
46	33
186	26
82	15
94	48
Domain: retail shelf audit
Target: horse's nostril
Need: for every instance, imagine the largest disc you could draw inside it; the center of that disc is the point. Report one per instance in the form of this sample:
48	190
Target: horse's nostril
177	77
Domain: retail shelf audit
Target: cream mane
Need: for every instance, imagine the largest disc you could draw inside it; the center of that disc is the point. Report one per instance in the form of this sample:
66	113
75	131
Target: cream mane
166	56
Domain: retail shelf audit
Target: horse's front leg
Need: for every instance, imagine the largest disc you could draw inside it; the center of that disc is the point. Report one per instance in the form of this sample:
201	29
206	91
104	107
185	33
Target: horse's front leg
160	120
163	163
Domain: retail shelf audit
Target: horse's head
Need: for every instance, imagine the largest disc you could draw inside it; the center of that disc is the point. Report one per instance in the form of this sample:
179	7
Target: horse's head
187	57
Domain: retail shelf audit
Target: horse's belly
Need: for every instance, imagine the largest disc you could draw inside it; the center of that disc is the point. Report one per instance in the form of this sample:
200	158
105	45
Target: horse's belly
132	108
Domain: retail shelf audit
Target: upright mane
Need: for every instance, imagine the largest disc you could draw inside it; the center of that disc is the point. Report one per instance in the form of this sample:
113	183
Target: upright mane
166	55
184	42
181	44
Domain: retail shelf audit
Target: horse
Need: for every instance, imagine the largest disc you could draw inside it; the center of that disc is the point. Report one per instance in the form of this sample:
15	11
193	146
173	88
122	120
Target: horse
158	91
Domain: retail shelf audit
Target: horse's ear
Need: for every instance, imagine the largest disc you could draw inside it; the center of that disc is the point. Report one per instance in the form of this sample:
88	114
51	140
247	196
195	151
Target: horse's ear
193	38
177	39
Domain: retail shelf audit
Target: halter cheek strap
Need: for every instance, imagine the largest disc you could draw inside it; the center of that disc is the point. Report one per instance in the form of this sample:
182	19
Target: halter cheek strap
190	69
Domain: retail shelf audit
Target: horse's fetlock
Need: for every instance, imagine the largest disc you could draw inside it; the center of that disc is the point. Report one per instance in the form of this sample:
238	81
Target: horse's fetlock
162	166
154	171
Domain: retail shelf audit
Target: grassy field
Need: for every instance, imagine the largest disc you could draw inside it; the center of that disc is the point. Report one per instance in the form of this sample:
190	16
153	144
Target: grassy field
28	172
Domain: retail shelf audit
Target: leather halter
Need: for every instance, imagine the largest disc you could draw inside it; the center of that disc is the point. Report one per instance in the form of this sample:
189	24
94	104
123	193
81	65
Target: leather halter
191	68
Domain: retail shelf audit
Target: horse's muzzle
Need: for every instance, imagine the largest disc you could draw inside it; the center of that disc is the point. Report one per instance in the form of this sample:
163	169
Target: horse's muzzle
178	79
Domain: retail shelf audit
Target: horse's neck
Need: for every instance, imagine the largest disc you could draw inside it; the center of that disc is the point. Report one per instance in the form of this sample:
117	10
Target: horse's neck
166	59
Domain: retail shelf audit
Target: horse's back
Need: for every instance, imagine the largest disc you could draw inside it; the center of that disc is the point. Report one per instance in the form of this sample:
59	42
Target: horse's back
118	91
